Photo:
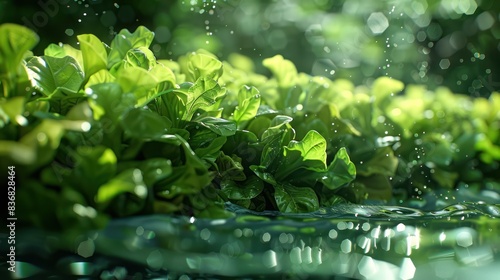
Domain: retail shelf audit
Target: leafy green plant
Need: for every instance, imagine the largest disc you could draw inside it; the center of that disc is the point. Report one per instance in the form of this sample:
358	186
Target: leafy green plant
109	131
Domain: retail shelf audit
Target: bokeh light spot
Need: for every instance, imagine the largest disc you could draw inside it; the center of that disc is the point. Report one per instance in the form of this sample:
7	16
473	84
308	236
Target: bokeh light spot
485	21
377	23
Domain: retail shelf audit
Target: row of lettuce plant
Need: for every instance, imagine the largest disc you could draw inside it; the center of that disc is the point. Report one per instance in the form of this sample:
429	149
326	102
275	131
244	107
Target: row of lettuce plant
105	131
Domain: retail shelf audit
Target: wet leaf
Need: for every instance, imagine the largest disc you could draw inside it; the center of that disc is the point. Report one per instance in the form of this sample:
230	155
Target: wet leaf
220	126
144	124
341	171
310	153
247	189
292	199
203	93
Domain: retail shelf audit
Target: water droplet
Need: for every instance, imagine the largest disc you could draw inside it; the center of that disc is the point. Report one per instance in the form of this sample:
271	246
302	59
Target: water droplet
442	237
346	246
266	237
155	260
269	259
205	234
332	234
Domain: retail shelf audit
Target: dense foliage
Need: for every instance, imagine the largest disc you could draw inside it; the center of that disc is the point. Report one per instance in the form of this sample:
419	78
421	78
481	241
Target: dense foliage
108	130
433	42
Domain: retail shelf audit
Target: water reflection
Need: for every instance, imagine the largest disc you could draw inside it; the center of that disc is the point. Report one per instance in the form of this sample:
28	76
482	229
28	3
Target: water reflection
361	242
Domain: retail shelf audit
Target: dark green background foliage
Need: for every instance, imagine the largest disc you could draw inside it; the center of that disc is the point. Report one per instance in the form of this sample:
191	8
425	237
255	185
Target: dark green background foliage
433	42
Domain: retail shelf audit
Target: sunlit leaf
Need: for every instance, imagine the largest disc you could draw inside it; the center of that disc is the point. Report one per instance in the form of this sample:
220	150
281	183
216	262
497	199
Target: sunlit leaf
310	153
52	73
283	70
203	93
94	54
64	50
138	81
100	77
109	100
124	41
12	110
15	41
384	87
140	57
203	66
248	104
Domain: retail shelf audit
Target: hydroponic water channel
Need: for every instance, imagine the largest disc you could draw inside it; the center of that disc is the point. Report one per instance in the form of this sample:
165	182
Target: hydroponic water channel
241	139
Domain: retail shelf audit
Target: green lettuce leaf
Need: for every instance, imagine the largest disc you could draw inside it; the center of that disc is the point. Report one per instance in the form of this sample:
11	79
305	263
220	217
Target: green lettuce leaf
189	178
341	171
284	71
98	163
15	42
203	66
94	54
292	199
125	194
249	102
51	74
248	189
144	124
310	153
125	41
203	93
220	126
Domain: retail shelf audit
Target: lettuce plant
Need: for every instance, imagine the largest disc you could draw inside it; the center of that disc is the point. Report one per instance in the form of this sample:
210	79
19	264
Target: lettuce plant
104	131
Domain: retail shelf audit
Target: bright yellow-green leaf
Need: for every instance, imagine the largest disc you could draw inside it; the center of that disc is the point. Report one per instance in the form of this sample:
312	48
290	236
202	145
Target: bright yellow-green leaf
385	86
248	104
15	41
100	77
14	109
94	54
284	71
51	73
203	66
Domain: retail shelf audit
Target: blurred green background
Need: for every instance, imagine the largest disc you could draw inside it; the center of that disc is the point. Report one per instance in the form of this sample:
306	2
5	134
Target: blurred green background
454	43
